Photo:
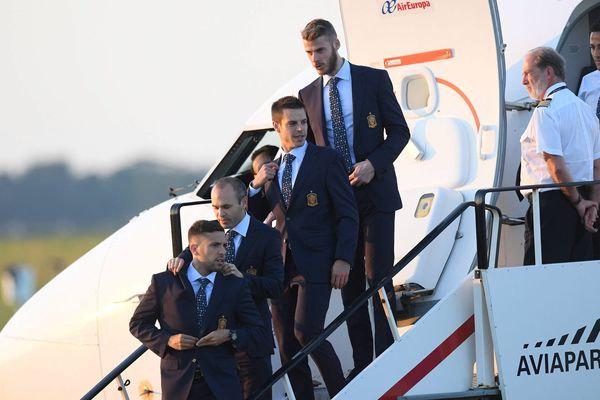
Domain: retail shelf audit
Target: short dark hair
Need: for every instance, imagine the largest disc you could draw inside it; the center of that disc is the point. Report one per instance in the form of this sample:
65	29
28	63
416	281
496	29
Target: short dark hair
285	103
317	28
204	226
268	148
595	26
237	185
548	57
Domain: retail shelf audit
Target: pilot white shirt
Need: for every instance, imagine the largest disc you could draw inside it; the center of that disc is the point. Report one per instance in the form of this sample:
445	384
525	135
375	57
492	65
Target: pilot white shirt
344	86
193	275
589	91
566	127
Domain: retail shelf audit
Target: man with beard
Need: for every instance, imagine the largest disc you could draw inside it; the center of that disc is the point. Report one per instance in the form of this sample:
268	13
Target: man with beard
253	253
561	144
203	316
349	107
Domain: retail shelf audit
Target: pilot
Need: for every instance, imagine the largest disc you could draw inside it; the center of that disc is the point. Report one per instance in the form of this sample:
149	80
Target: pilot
560	144
254	254
589	91
203	316
309	186
349	107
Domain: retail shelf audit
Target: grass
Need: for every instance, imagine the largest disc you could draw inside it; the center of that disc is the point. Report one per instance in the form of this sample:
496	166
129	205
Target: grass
48	255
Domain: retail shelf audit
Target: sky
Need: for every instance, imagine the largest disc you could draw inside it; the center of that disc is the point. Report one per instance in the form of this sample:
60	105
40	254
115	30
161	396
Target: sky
102	84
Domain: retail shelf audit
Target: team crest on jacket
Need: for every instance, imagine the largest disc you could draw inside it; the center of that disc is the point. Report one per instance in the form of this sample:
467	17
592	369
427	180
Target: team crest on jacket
251	270
222	322
371	120
312	199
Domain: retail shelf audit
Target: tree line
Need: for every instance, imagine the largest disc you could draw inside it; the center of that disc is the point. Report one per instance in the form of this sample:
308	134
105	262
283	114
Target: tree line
51	199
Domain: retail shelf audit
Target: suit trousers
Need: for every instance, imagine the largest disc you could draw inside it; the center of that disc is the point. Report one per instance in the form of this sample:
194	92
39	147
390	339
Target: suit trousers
564	237
298	317
374	259
200	390
254	372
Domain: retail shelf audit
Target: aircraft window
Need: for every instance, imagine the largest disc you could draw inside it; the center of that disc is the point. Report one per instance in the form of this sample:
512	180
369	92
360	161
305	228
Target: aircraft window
237	162
417	92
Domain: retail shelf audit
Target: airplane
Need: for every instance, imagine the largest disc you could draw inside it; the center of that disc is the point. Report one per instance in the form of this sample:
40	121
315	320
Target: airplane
465	331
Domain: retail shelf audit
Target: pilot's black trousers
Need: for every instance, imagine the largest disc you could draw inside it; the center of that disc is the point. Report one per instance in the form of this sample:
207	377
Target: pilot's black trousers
564	237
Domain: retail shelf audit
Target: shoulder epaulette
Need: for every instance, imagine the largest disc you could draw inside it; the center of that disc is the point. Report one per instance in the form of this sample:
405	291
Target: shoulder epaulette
544	103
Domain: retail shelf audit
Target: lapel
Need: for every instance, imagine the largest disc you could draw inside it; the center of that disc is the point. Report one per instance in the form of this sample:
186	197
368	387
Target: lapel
216	298
303	172
273	191
246	244
358	88
185	282
314	107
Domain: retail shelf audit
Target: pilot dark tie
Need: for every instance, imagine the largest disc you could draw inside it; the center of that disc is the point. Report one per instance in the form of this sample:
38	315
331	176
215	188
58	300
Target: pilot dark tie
598	108
201	304
286	179
340	139
230	246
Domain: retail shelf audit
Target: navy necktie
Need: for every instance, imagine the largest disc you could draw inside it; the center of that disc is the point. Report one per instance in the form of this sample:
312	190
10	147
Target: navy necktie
201	304
230	246
286	179
340	139
598	108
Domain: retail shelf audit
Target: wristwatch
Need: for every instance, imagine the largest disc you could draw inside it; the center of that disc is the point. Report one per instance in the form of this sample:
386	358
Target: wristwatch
233	338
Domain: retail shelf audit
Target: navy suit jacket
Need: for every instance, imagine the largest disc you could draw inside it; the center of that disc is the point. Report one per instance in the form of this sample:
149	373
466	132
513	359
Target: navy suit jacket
321	221
170	300
373	101
259	259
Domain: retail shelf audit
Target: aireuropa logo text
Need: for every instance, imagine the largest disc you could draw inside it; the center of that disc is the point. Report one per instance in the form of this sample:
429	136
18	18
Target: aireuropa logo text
391	6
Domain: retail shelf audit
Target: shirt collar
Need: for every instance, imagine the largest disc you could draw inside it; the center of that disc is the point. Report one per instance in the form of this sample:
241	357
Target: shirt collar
242	226
343	73
555	86
193	275
296	151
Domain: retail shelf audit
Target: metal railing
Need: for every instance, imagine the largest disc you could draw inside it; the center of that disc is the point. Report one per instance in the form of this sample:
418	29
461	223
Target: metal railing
483	262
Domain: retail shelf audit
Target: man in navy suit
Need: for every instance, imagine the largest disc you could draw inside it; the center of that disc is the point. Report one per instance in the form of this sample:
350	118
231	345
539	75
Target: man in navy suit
317	214
349	107
255	251
199	302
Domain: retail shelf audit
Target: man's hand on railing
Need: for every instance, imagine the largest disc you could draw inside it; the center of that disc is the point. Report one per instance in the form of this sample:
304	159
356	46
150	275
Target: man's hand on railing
589	216
175	264
182	342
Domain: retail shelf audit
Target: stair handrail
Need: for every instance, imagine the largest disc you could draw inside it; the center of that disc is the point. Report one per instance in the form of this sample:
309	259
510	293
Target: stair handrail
478	203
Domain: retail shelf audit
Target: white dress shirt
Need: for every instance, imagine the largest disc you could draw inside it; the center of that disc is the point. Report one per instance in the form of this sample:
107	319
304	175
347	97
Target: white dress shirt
242	229
299	153
344	86
589	91
193	275
567	127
